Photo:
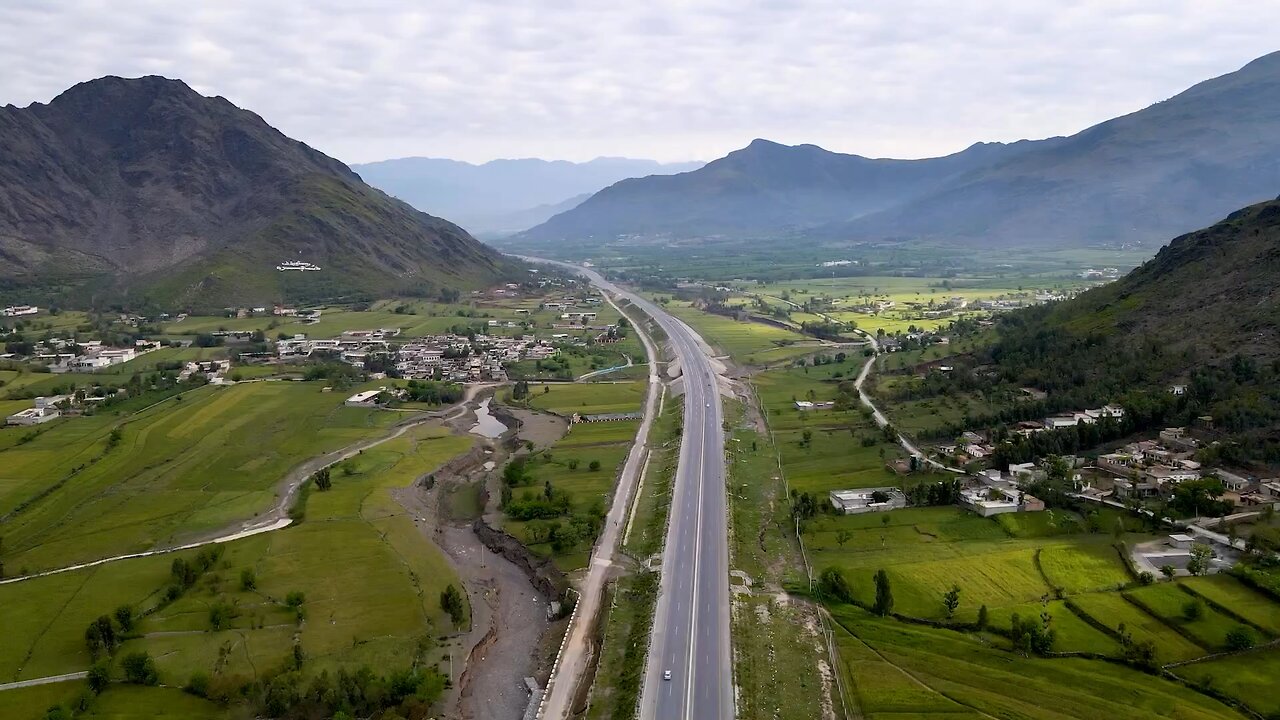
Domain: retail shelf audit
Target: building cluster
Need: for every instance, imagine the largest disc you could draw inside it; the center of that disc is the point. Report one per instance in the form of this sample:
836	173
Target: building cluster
456	358
992	492
62	355
1154	468
1109	273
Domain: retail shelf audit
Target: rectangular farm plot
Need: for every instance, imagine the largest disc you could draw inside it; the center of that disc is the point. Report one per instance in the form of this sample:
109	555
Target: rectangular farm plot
1072	633
1250	677
1169	603
1080	567
1240	599
587	398
1111	610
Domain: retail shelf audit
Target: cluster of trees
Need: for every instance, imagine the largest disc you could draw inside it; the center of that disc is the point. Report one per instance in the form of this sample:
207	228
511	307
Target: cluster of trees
826	330
322	480
943	492
1032	634
434	392
340	374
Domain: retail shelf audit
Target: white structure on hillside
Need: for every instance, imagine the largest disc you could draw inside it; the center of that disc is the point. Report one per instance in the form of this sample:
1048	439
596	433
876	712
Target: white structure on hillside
16	310
298	265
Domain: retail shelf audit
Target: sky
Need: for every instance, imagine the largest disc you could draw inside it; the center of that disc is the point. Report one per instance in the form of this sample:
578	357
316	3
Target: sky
664	79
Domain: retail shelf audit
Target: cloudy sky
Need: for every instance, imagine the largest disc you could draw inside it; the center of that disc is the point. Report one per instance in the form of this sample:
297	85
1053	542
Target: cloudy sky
671	80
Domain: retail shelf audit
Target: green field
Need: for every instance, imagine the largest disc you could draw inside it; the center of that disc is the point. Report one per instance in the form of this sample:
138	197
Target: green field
899	671
1249	676
1251	605
1167	602
565	467
747	342
587	398
1110	609
192	464
371	583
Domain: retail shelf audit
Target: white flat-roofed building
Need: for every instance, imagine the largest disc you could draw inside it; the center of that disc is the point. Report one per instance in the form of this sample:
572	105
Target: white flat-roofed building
19	310
368	398
865	500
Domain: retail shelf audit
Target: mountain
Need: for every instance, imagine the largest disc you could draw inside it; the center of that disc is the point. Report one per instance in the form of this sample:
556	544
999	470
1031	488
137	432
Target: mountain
1174	166
1147	176
1204	313
142	191
503	196
764	189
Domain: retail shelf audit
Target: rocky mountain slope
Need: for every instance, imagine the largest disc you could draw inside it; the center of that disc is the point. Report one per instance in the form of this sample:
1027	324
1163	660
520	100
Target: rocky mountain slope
142	191
762	190
1177	165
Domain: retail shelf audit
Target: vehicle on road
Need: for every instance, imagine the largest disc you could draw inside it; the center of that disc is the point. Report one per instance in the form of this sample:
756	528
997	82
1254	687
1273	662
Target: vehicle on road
666	674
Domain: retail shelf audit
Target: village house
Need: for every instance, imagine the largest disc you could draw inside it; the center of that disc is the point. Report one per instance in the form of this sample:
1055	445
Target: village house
20	310
865	500
45	409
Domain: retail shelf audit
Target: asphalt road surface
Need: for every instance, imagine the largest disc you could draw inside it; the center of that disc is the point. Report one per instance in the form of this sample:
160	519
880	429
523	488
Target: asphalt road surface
691	623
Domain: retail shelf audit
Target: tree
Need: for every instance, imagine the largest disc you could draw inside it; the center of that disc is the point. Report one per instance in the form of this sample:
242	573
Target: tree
124	616
1168	571
451	602
520	391
573	463
1240	638
248	579
99	676
322	480
832	584
1201	554
951	600
100	636
295	599
594	465
57	712
884	594
982	617
140	669
843	537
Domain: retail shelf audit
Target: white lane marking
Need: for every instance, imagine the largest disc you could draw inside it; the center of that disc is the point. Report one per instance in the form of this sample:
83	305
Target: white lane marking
697	565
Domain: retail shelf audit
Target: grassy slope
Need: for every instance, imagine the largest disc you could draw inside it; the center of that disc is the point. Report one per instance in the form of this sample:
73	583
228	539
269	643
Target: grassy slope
367	573
182	467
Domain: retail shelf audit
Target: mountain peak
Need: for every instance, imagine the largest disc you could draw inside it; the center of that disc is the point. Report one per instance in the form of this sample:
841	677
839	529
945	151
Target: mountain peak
143	187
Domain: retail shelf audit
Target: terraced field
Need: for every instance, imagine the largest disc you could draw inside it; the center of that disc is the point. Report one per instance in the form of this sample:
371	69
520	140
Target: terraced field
901	672
188	465
370	580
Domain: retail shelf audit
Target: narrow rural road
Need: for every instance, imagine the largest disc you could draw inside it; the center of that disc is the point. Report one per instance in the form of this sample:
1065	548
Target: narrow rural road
572	663
43	681
881	419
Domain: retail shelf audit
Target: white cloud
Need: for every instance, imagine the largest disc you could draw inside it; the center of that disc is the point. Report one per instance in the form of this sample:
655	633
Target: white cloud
668	79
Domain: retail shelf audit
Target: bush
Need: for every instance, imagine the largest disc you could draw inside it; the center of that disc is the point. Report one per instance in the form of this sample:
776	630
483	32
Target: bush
594	465
198	685
248	579
1240	638
1192	611
140	669
295	599
99	676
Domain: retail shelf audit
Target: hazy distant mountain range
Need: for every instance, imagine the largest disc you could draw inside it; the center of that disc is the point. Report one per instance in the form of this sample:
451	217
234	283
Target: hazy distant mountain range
1171	167
143	191
504	196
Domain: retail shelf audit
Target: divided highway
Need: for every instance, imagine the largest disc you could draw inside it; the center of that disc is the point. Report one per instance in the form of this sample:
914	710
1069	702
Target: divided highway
691	624
690	638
